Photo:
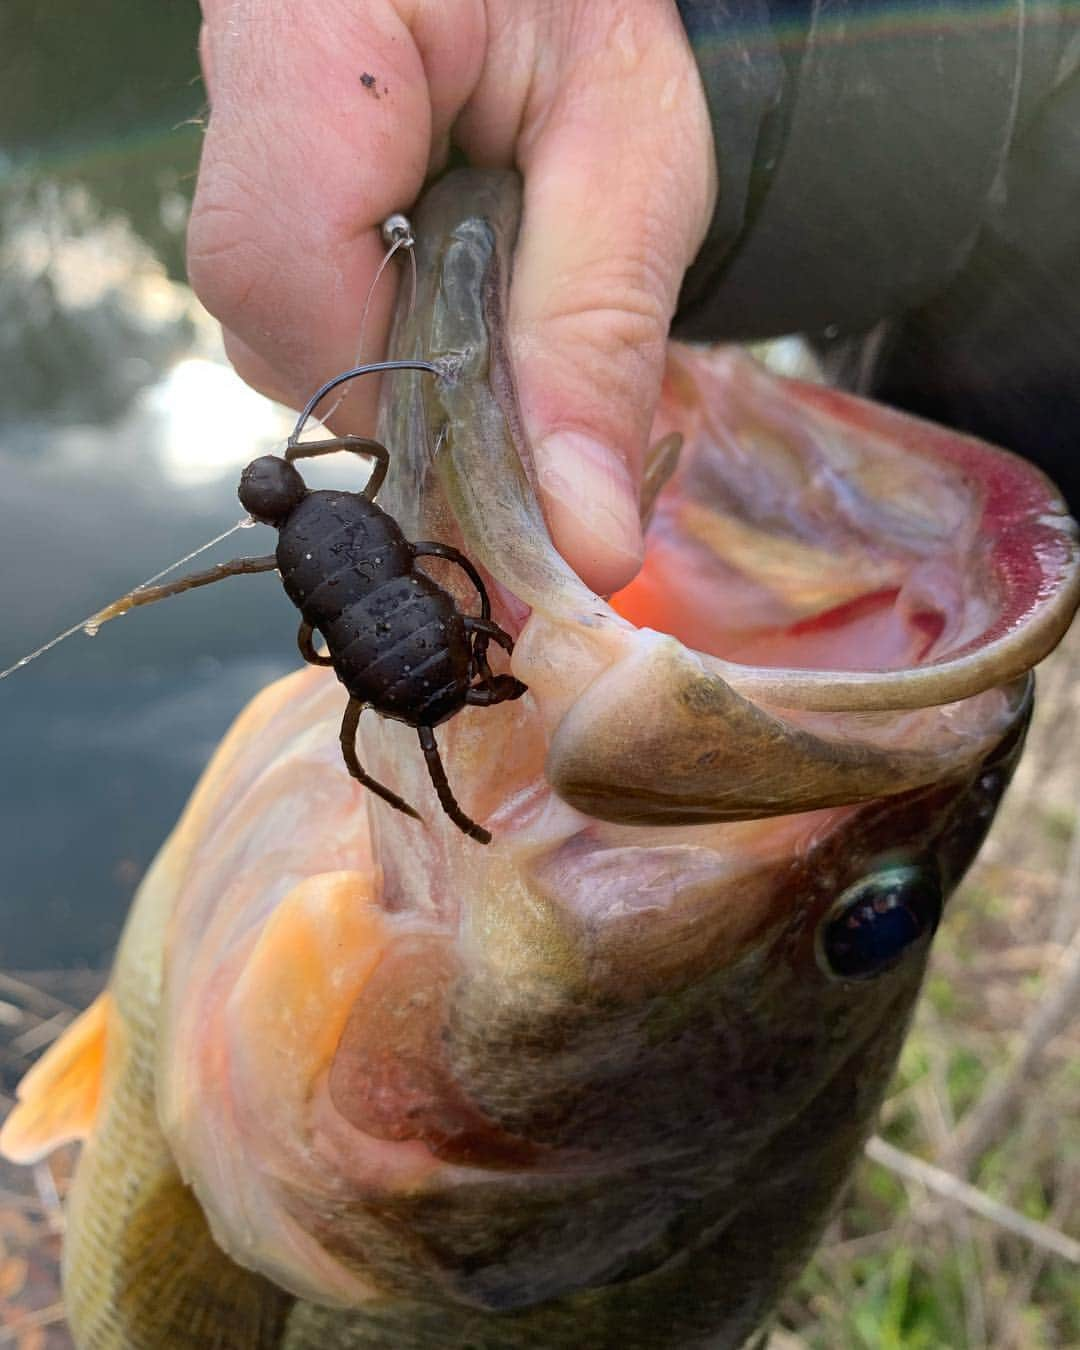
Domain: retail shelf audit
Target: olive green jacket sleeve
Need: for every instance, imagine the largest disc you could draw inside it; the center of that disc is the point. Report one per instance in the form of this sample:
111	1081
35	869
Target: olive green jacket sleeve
860	147
901	183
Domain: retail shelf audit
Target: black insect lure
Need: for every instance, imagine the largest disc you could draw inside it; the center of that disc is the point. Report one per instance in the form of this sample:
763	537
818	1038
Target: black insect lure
396	639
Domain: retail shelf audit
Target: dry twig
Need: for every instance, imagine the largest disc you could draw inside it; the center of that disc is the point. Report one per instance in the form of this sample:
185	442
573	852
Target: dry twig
954	1188
41	1317
983	1123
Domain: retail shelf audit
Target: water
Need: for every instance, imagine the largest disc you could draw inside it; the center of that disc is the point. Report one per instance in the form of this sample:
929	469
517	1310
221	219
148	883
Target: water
121	437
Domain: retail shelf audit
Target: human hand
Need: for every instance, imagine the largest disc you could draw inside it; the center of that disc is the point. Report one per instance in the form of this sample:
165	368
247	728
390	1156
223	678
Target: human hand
601	109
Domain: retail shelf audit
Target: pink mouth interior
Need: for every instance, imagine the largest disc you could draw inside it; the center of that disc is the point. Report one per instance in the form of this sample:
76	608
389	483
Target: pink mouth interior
809	529
685	590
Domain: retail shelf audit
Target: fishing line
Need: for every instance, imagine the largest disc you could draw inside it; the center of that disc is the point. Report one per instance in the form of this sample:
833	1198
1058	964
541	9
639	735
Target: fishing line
397	233
93	622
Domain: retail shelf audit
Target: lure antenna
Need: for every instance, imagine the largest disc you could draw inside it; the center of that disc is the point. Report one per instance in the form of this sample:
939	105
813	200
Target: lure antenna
93	622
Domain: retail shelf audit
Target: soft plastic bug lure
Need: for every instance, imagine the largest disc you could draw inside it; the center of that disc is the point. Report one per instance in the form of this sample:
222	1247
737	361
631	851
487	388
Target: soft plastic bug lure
396	639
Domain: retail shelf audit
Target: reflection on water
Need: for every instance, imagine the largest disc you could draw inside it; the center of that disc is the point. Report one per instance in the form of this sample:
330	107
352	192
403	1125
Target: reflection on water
121	435
89	315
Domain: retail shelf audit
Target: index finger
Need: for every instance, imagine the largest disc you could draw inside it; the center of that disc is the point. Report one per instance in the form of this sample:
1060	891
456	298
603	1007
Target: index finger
320	128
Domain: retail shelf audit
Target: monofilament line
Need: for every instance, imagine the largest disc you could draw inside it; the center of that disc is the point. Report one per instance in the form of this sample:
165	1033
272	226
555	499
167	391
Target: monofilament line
398	233
90	627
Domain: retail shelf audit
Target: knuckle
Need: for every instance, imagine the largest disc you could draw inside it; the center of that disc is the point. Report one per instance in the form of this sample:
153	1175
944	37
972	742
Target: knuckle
611	327
632	287
623	342
599	387
255	371
225	260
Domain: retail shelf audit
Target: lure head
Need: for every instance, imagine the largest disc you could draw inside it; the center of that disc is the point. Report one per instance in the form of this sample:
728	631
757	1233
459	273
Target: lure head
271	489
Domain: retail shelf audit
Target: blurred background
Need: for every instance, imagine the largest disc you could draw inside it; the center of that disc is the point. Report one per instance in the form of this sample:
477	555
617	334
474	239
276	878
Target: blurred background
122	432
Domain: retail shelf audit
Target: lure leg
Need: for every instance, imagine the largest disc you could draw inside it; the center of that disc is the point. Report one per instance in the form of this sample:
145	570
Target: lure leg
427	549
482	630
304	640
442	787
357	445
492	688
490	630
499	689
348	750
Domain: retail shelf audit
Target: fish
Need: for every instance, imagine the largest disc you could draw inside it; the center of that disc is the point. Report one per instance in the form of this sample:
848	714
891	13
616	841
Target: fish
355	1082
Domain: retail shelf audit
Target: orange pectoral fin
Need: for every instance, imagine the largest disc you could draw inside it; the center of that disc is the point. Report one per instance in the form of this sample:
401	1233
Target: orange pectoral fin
58	1098
291	1001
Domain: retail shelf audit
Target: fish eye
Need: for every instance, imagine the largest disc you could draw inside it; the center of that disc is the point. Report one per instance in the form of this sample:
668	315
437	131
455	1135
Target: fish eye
878	919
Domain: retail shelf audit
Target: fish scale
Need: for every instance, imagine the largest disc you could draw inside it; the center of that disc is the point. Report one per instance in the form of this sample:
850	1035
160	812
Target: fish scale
141	1268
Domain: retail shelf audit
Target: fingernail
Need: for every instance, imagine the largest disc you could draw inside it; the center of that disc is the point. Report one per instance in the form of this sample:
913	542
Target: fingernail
592	508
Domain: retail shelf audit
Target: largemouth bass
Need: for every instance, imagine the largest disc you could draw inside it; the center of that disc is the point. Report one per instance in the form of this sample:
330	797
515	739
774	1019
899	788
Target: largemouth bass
357	1081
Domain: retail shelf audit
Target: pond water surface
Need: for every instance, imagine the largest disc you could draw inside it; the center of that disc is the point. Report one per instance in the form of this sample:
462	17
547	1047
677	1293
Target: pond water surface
122	432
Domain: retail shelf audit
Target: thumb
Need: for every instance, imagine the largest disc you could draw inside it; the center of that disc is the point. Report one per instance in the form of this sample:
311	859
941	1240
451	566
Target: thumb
619	189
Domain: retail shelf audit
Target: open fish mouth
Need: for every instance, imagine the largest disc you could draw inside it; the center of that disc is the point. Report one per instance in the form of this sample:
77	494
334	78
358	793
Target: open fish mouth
605	1077
814	563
